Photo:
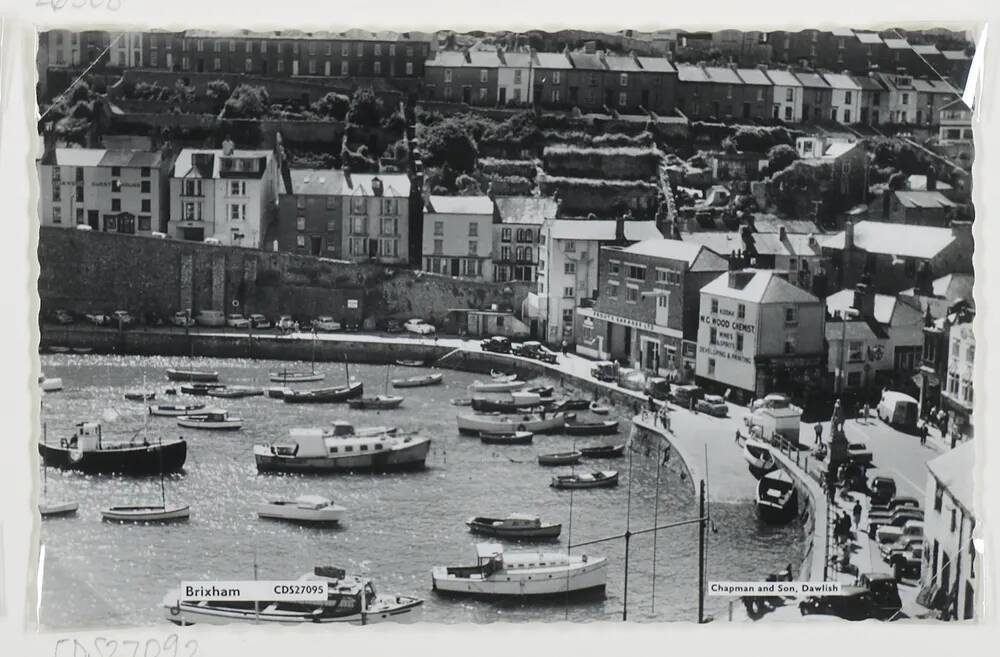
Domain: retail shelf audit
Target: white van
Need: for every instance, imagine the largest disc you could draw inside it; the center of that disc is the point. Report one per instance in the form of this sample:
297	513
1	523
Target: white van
898	410
210	318
213	241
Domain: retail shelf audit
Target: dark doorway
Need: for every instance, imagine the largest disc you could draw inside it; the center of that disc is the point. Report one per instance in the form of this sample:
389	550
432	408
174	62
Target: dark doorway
455	266
645	98
200	66
466	95
373	249
715	109
93	220
628	341
609	98
746	110
503	96
316	245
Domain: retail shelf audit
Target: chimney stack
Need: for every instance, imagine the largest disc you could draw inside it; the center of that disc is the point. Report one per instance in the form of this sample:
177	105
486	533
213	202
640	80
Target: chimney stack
620	229
931	179
848	235
782	234
864	301
347	176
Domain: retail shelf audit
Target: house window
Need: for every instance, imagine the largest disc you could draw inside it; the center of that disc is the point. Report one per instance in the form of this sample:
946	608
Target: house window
715	305
729	91
145	205
345	50
853	379
409	68
361	49
389	226
378	49
569	292
438	247
556	77
711	367
473	247
281	66
635	273
239	188
344	68
741	311
217	63
555	96
791	315
970	354
567	315
847	97
116	205
517	76
789	95
739	342
473	230
569	268
623	80
614	267
713	336
439	228
300	223
145	187
612	290
855	351
56	215
312	67
377	68
905	99
632	294
622	99
956	348
505	253
789	345
447	75
570	246
483	76
300	241
482	94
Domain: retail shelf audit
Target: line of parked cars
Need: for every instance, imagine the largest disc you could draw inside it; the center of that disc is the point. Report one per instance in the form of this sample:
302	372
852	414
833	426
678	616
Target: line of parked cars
529	349
896	523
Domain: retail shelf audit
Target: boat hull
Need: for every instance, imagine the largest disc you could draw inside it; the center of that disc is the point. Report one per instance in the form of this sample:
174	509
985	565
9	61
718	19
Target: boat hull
609	452
474	424
567	482
418	381
375	403
520	438
135	460
408	610
291	377
176	411
497	386
199	389
398	459
146	513
227	425
591	428
520	533
774	514
585	580
328	396
569	458
56	509
292	513
193	376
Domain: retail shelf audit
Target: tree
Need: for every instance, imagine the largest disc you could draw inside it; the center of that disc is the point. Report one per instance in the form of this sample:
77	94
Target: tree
466	185
332	105
449	142
218	92
183	94
366	109
247	102
779	157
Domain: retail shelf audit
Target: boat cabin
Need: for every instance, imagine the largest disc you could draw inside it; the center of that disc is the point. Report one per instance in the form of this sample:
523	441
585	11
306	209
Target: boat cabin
776	486
522	520
312	502
87	438
342	428
489	559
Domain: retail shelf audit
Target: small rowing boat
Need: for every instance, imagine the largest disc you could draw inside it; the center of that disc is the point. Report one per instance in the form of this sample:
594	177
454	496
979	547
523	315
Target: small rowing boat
461	402
560	458
213	420
305	509
516	526
51	385
336	395
596	479
516	438
501	377
199	389
295	377
147	513
598	428
476	423
235	392
418	381
201	376
411	363
599	409
140	395
497	386
56	509
603	451
174	410
59	349
378	402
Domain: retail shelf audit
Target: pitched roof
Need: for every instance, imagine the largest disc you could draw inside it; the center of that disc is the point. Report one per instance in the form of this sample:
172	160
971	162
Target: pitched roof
838	330
956	469
769	223
953	103
460	205
905	240
526	209
933	86
955	55
868	37
923	199
897	44
867	83
106	157
762	286
456	59
812	80
622	64
784	78
717	74
394	185
316	182
658	64
796	245
754	76
554	60
600	229
183	166
840	81
885	304
951	287
925	49
842	32
667	248
587	61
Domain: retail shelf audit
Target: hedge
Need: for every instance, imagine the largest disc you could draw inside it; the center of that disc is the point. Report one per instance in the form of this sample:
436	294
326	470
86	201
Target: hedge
602	162
503	167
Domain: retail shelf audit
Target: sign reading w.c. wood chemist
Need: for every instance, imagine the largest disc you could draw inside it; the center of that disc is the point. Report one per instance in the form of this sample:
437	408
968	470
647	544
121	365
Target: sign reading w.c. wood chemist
726	343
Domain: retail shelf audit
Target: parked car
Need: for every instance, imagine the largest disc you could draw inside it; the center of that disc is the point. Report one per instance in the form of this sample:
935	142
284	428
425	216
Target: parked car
657	387
497	344
898	410
259	321
885	517
875	596
419	326
900	545
153	319
534	350
62	317
182	318
606	370
713	405
122	318
325	323
895	503
210	318
287	323
885	595
351	325
394	326
682	395
883	490
859	453
894	529
907	563
98	319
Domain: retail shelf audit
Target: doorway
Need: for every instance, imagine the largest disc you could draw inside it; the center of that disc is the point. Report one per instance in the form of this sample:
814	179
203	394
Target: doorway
455	266
93	220
503	96
316	245
467	95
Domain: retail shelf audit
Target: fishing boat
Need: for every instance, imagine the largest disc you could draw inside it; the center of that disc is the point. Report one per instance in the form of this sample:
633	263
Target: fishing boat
411	363
560	458
87	451
235	392
174	410
596	479
777	500
278	392
304	509
518	526
519	402
497	386
378	402
334	395
199	389
516	438
48	508
598	408
50	385
419	381
146	513
316	450
603	451
522	574
192	376
350	599
215	419
139	395
502	377
481	423
340	428
758	457
598	428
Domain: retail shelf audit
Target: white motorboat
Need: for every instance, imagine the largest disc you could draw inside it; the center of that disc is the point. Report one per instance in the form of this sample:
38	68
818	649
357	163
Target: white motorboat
317	450
54	509
777	500
146	513
305	508
758	456
497	423
51	385
211	419
598	408
497	386
517	574
350	599
174	410
500	377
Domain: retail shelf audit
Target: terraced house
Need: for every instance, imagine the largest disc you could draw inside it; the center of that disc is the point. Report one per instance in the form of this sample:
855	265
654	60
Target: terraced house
376	209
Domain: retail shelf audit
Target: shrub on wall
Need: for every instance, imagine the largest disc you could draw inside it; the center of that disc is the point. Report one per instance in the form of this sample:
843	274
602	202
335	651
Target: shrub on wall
498	167
602	162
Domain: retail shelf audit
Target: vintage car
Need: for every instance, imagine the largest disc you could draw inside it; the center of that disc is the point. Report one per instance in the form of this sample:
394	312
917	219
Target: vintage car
883	490
859	453
712	405
181	318
122	318
419	326
535	351
497	344
259	321
286	324
875	596
682	395
898	527
236	320
895	503
908	563
900	545
606	371
326	323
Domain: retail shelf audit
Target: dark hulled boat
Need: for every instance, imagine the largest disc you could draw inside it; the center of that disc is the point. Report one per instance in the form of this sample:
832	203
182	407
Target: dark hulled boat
336	395
777	499
200	389
515	438
88	452
603	451
598	428
192	375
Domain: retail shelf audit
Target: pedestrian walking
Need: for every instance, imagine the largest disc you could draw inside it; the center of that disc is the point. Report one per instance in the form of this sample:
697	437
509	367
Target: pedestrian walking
865	411
923	433
738	436
691	404
565	347
666	421
652	403
856	512
819	433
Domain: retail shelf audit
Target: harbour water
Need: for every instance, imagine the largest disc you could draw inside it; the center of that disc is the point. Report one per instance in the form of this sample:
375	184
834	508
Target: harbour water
398	525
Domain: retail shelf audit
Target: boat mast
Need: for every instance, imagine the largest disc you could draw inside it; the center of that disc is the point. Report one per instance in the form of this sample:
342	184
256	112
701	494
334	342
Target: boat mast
256	603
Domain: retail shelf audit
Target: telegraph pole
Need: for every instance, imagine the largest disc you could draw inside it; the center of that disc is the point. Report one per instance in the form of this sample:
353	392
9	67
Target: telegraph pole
702	521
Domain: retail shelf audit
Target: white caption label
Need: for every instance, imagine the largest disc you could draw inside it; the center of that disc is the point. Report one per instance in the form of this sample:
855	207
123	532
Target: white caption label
799	589
252	590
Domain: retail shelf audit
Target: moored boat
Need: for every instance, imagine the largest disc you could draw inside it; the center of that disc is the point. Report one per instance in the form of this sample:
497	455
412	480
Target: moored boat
497	386
213	419
56	509
295	377
542	391
350	599
758	457
235	392
146	513
603	451
598	428
520	526
140	395
518	405
87	451
314	450
598	408
573	405
200	376
411	363
59	349
305	509
522	574
516	438
596	479
480	423
174	410
419	381
199	389
461	402
560	458
82	350
334	395
777	500
278	392
502	377
51	385
378	402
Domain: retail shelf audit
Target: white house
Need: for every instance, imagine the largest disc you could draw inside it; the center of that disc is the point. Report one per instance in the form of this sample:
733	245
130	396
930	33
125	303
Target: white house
458	236
845	99
513	78
787	96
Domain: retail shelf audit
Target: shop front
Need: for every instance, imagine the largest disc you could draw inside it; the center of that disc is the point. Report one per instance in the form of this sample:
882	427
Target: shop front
799	376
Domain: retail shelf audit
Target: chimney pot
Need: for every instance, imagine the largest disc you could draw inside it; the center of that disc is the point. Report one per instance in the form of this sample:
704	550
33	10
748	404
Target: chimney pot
782	234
